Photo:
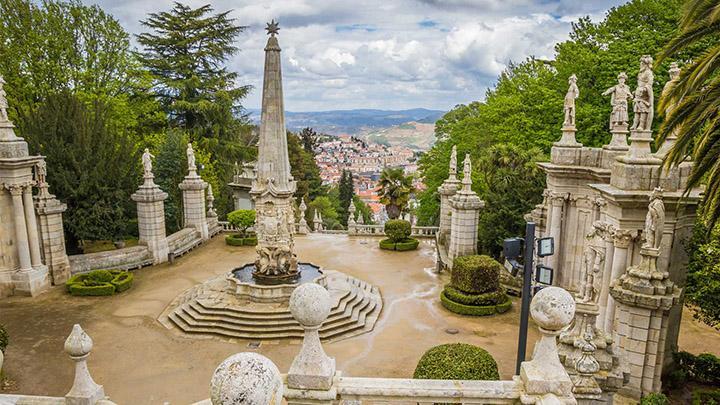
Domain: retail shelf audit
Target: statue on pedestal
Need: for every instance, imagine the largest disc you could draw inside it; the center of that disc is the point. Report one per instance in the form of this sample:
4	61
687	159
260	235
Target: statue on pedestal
3	102
147	163
190	158
41	173
643	100
572	93
593	261
619	95
654	221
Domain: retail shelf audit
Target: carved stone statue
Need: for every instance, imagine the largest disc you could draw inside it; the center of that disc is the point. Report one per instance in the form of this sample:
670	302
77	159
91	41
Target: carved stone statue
572	93
3	101
593	261
147	163
654	220
643	100
41	173
619	95
453	162
274	230
190	157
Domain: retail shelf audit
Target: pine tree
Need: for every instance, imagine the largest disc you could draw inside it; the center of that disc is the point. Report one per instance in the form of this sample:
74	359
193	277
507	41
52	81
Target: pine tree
309	140
346	190
186	52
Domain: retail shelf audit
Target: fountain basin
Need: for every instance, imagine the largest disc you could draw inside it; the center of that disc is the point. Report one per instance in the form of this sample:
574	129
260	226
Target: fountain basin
244	285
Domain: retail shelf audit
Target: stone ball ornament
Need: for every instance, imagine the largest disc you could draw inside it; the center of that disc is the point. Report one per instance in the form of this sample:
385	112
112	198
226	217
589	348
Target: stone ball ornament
310	304
247	379
552	308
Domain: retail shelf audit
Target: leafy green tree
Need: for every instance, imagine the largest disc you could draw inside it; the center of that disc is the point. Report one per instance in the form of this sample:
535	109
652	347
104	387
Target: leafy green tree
170	169
395	190
304	169
84	149
325	206
309	140
702	290
346	192
363	210
242	219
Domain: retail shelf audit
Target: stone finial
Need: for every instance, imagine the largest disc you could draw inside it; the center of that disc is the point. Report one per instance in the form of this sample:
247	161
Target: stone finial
351	214
453	163
246	379
84	390
211	202
273	28
553	309
584	384
303	206
467	173
310	305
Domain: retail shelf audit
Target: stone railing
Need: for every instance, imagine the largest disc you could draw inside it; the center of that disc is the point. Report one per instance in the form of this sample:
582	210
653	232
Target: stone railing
227	226
379	230
312	378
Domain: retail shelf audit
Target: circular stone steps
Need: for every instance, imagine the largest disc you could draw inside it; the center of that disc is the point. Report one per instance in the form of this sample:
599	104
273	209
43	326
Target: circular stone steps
210	309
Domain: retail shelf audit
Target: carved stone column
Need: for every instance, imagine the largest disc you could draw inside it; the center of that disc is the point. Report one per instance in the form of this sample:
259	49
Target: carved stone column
621	243
32	228
52	235
194	214
557	203
21	232
150	201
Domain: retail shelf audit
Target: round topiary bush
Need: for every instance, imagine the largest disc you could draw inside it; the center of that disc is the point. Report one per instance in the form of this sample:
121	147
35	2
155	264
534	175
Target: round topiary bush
4	339
398	230
457	361
242	220
476	274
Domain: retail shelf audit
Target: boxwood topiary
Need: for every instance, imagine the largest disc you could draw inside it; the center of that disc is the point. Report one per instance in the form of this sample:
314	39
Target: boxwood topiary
92	290
99	282
402	246
488	298
122	281
4	339
476	274
240	240
398	230
457	361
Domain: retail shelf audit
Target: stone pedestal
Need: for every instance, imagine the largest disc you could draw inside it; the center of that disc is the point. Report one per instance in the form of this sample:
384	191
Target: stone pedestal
567	151
193	190
617	147
465	206
52	236
151	219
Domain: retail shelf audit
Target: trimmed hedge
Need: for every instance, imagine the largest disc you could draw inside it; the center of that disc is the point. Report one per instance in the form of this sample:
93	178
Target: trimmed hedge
240	240
703	368
398	230
99	283
474	310
457	361
489	298
402	246
476	274
706	397
4	339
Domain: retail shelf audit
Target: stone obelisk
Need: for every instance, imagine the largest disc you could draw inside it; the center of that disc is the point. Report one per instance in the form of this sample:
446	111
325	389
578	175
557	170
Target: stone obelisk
273	188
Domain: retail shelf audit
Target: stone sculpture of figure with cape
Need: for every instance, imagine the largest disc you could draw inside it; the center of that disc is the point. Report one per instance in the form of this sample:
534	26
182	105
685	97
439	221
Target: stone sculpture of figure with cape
654	220
619	95
572	93
644	100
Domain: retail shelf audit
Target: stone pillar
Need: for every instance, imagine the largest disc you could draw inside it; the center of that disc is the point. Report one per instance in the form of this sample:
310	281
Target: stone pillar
28	280
303	227
557	205
466	207
150	201
21	231
32	228
193	190
621	243
84	390
644	298
618	146
213	225
448	189
567	150
52	235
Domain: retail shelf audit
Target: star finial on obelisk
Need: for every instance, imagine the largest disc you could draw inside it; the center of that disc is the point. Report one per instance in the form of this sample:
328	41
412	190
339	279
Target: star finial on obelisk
273	27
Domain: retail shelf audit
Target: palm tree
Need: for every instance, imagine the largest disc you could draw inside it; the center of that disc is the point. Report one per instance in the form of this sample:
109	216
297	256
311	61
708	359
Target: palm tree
692	102
395	190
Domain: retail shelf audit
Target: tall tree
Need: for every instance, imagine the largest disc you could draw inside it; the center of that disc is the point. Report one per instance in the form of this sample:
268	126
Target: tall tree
309	140
346	191
395	190
186	53
304	169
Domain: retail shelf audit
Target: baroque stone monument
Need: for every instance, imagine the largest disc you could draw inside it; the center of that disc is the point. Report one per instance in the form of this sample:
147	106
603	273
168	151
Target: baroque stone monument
193	191
22	270
273	187
150	201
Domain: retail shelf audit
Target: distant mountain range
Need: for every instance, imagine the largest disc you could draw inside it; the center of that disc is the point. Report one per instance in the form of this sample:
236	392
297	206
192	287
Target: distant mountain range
353	122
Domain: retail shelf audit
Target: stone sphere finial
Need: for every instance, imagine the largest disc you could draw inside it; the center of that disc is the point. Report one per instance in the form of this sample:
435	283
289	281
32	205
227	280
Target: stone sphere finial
246	378
78	344
552	308
310	304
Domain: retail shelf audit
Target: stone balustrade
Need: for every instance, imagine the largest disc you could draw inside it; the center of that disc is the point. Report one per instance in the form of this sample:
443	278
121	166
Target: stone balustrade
358	229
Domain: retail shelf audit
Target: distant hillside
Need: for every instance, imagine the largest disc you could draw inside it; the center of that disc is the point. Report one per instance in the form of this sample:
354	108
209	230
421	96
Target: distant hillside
415	135
354	122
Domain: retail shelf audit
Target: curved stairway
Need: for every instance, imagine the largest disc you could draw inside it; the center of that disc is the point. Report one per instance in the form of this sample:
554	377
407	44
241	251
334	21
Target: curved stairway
356	308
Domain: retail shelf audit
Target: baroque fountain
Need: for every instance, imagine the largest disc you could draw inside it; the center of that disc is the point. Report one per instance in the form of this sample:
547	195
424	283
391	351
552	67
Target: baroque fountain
251	301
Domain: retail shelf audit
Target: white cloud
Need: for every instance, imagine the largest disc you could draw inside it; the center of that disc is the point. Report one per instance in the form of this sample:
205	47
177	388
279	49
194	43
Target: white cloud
386	54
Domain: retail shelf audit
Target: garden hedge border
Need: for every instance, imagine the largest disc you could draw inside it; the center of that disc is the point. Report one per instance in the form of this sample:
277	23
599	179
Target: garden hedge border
403	246
474	310
235	240
108	282
123	281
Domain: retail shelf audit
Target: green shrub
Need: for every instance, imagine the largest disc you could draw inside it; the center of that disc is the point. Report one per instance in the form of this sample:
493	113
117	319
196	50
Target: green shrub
240	240
398	230
476	274
122	281
703	368
655	398
250	241
4	339
474	310
92	290
706	397
457	361
101	276
488	298
242	219
402	246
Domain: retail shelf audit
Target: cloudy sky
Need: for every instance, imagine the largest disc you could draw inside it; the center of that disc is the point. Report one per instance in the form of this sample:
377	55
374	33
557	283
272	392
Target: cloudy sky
388	54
